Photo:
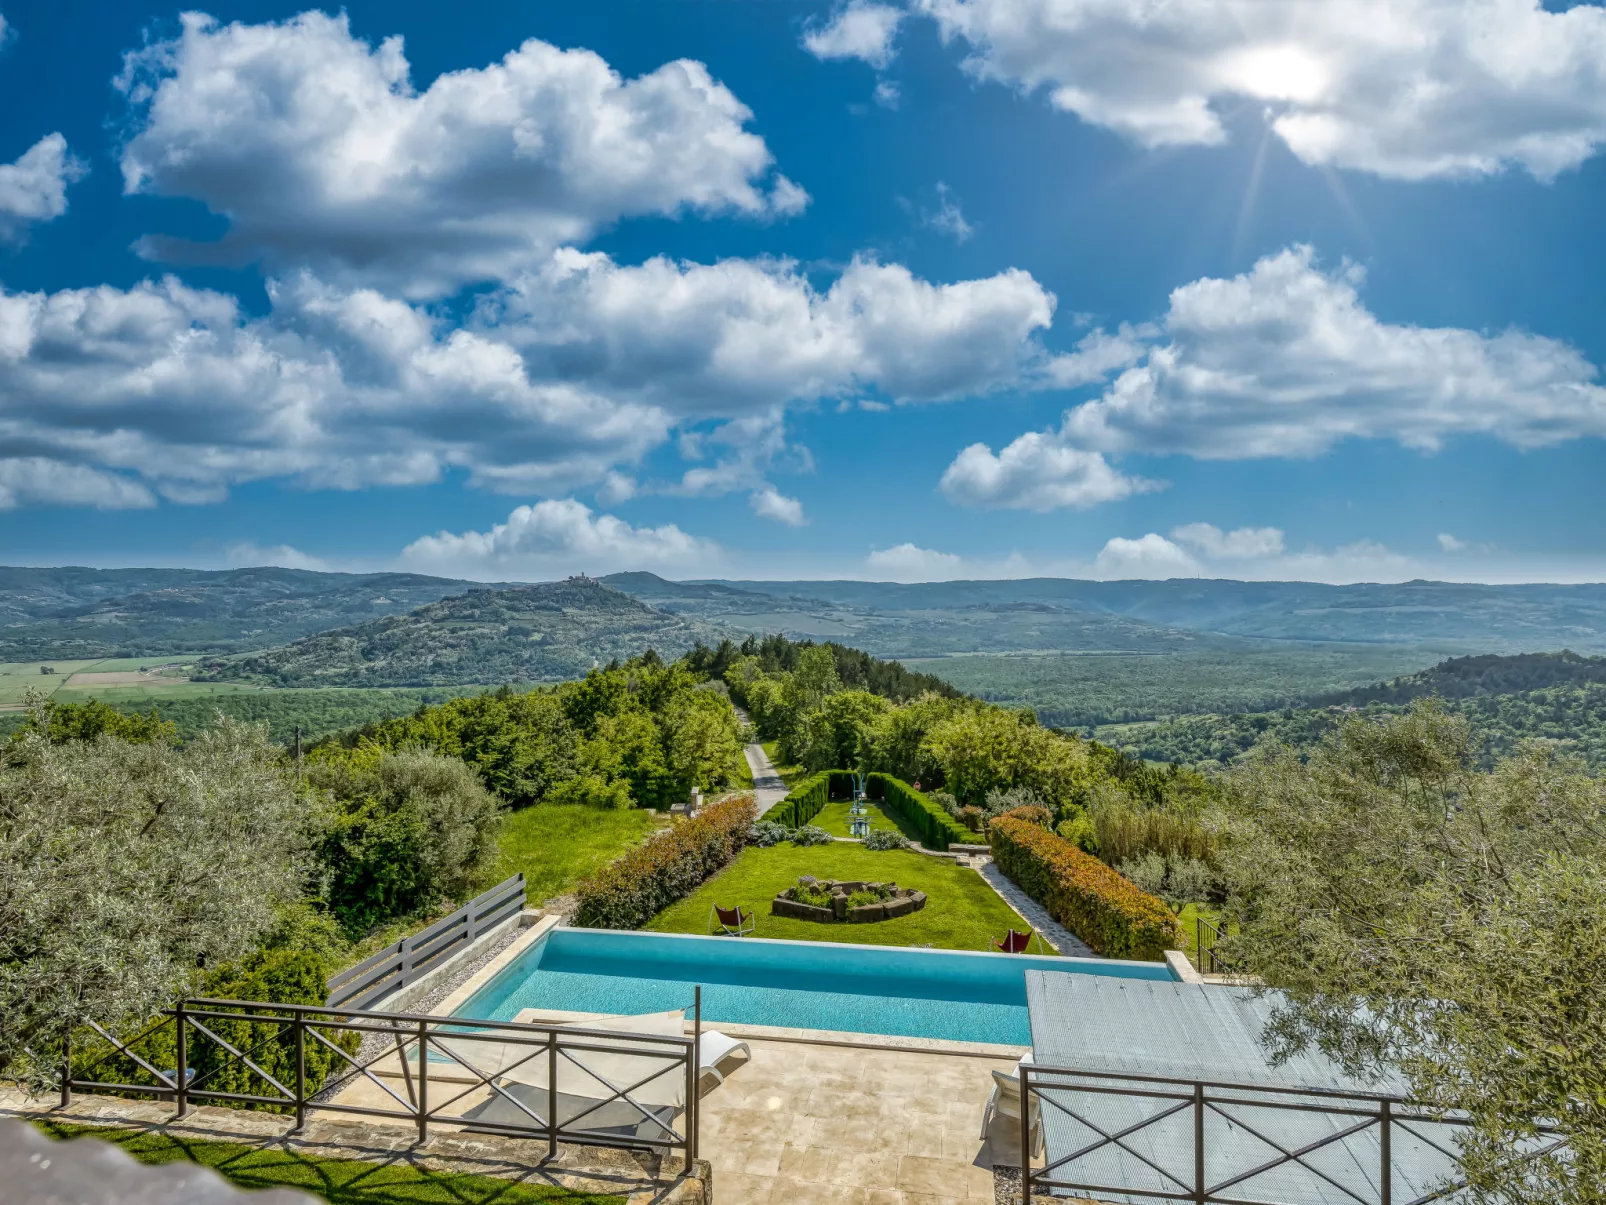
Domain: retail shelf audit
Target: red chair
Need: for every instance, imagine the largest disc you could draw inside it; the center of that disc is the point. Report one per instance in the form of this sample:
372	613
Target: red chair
1016	943
732	922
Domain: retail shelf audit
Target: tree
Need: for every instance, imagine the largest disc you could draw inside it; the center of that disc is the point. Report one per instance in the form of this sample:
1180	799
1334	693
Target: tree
703	738
827	738
85	721
124	868
1418	914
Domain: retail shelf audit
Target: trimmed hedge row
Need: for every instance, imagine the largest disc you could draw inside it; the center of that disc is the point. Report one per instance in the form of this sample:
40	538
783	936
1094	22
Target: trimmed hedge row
639	884
1115	917
937	829
808	799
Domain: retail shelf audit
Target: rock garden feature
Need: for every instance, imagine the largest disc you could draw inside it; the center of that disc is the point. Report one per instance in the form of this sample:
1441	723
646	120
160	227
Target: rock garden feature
829	901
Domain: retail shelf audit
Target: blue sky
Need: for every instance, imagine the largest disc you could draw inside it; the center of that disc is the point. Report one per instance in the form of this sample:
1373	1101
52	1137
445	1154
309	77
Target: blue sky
767	289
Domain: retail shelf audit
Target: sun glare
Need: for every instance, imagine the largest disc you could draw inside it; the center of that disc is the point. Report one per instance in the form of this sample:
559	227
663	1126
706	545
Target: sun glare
1276	73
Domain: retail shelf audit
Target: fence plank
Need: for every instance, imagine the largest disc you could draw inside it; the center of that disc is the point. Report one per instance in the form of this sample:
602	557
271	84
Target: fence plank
415	955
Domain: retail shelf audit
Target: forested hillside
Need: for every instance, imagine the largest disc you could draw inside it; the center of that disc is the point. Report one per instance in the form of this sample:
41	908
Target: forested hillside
538	633
1465	677
74	613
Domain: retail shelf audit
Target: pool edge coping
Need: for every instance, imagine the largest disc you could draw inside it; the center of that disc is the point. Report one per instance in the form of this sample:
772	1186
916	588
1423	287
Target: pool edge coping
465	991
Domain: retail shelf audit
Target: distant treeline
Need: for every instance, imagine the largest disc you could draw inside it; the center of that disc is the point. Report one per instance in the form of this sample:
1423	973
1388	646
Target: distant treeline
1466	677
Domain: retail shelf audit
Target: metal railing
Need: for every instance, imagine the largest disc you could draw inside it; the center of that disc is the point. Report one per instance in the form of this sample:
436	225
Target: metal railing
415	955
1207	960
1117	1136
544	1082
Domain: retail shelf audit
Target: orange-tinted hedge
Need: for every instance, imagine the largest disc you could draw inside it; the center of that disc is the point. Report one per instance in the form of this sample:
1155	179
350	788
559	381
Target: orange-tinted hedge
639	884
1108	912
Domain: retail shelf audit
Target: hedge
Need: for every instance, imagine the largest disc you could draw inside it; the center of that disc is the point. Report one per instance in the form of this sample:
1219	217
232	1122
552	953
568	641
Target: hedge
937	829
639	884
808	799
1112	915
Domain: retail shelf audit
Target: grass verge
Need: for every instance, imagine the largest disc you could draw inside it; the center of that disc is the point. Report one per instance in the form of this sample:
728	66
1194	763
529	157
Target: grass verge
834	819
556	845
962	912
791	775
345	1181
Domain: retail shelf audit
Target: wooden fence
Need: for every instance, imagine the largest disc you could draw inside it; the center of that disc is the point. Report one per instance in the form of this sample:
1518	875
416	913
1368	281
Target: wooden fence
415	955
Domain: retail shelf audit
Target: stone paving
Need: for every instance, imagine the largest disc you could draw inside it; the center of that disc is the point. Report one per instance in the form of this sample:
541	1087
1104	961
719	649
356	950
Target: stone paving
1061	938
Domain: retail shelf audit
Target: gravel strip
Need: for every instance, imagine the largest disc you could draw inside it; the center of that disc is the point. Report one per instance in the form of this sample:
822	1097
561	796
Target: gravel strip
375	1044
1056	934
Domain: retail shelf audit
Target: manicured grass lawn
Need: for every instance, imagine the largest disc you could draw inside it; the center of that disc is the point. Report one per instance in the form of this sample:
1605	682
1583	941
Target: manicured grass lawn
834	819
345	1181
962	912
555	845
790	775
1206	912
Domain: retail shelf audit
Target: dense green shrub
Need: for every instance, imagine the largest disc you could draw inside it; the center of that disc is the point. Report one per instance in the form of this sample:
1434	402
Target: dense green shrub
937	829
811	834
405	830
806	801
63	722
635	887
1109	913
885	838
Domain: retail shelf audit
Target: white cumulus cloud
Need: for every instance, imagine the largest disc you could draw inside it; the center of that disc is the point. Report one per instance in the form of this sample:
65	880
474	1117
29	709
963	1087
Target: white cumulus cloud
1037	472
249	555
322	153
1249	554
1402	88
910	563
859	29
1150	556
559	536
770	503
1246	543
39	481
1284	360
34	187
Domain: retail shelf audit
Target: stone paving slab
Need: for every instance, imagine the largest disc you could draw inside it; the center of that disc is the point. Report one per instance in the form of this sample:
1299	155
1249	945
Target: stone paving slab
1056	934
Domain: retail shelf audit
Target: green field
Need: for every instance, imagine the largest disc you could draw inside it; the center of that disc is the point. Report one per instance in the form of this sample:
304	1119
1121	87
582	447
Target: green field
391	1181
556	845
834	819
962	912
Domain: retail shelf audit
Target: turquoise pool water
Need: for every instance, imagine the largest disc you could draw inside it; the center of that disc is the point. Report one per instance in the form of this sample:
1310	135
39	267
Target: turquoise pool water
810	985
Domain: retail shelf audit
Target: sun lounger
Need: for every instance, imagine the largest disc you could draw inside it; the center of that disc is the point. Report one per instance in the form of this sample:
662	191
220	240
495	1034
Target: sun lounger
1004	1104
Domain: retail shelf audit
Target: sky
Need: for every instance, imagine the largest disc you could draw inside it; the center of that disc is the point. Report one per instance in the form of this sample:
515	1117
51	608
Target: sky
1261	289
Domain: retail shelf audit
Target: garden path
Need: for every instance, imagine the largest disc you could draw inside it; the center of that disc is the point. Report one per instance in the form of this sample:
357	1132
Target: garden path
1038	916
768	789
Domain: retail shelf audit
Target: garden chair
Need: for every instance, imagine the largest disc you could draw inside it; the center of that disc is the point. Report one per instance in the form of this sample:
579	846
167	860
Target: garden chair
1015	942
1004	1104
731	922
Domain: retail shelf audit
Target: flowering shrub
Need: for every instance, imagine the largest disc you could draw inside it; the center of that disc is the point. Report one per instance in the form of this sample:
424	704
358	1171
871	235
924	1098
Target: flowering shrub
636	886
1032	814
1114	917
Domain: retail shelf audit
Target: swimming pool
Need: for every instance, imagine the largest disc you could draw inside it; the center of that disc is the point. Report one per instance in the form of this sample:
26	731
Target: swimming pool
949	994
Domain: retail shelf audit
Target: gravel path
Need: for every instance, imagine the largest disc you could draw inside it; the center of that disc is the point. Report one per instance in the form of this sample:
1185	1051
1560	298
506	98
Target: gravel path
768	789
1053	932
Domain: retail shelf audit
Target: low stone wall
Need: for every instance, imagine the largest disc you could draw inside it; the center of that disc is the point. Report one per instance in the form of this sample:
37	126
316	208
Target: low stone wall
904	900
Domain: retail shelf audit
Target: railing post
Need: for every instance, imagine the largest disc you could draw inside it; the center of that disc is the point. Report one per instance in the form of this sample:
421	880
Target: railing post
406	960
1025	1134
423	1082
1384	1132
181	1074
66	1070
694	1102
1198	943
1198	1145
301	1068
552	1093
472	920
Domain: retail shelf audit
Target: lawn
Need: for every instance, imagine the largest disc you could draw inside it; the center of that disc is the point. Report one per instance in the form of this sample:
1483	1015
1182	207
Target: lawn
345	1181
834	819
962	912
1205	912
555	845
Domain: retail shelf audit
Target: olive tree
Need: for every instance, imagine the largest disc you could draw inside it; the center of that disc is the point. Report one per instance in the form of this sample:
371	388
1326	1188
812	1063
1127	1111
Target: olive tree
126	869
1419	915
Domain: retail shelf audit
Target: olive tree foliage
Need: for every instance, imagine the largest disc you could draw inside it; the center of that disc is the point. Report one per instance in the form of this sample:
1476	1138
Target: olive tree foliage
1421	916
126	868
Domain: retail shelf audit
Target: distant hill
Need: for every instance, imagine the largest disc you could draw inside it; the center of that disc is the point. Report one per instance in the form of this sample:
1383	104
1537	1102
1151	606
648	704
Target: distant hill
1466	677
519	634
76	613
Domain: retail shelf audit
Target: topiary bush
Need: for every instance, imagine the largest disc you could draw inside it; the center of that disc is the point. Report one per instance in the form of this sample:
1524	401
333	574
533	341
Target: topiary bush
641	883
937	829
1112	915
805	802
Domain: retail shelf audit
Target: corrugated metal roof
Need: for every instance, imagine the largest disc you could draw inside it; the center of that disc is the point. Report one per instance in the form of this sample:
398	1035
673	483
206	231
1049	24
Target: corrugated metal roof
1194	1032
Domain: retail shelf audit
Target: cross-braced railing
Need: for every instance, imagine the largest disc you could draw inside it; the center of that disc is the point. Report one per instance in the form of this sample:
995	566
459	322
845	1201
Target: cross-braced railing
1121	1137
590	1086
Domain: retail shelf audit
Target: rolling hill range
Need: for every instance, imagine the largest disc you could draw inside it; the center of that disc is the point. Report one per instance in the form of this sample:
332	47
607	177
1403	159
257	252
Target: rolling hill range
519	634
75	614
